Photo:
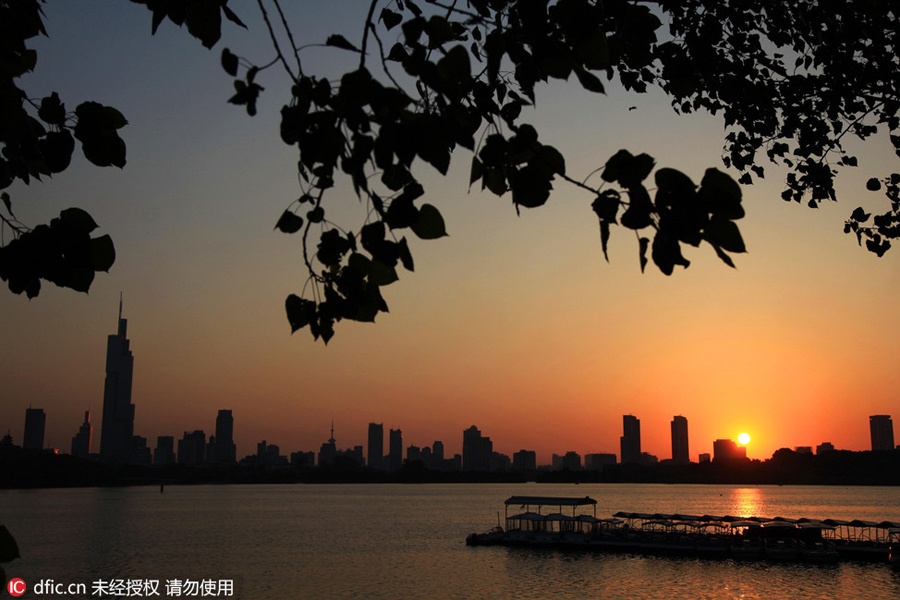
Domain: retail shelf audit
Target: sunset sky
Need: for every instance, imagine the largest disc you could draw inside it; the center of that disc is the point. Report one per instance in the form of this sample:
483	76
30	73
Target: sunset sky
514	324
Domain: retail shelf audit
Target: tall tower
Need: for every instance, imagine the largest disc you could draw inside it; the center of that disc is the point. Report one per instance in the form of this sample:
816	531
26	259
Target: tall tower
630	442
81	443
376	445
118	411
680	453
35	421
881	428
224	450
395	450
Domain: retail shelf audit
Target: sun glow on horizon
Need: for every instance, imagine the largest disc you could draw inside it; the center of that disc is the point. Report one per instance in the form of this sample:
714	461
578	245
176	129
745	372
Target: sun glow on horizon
744	439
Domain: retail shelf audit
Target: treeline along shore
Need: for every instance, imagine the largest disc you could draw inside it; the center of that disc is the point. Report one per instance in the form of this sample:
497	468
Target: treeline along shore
38	469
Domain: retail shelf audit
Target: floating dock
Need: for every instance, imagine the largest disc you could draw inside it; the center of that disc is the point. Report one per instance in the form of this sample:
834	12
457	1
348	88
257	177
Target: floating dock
547	521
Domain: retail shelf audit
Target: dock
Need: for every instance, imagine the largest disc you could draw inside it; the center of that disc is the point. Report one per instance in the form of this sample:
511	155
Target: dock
546	521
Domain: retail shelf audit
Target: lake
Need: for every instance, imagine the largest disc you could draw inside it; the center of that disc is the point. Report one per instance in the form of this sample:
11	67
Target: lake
403	541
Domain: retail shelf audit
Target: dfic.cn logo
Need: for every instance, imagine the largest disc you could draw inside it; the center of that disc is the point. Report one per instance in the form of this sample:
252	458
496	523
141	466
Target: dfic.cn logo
16	587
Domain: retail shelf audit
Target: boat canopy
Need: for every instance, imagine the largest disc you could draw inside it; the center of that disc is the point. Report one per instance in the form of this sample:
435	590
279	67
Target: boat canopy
549	501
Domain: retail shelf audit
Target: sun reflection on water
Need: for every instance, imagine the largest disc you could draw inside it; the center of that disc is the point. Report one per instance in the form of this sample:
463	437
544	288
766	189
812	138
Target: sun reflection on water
746	502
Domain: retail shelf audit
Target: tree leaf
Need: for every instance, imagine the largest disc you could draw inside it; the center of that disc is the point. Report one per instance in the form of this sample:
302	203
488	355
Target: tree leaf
78	219
430	224
9	550
390	18
339	41
606	205
299	311
103	253
604	237
643	244
289	222
229	62
725	233
589	81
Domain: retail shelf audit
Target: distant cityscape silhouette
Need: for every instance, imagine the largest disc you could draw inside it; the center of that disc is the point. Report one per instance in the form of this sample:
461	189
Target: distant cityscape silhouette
120	447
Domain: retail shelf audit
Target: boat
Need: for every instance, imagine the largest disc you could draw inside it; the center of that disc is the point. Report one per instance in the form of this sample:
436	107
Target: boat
821	552
780	549
494	536
894	546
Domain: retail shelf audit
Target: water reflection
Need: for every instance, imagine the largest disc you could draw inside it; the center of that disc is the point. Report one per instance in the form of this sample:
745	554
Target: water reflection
746	502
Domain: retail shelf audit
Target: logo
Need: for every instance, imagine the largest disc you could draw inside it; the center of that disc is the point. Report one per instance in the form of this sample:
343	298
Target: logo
16	587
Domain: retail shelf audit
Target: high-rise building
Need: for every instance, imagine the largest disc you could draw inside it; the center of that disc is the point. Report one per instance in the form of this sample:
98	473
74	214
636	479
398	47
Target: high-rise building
596	462
327	451
630	442
728	450
477	450
395	450
376	445
224	451
680	453
81	443
881	429
165	451
525	460
118	411
35	422
192	448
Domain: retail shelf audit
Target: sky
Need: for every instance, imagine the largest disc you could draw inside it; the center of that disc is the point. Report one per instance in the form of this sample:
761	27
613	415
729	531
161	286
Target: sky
515	324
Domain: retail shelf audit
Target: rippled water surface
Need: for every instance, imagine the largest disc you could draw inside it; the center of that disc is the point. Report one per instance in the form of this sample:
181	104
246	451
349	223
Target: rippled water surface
407	541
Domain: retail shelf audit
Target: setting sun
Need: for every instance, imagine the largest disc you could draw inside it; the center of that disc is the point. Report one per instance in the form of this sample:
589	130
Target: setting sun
744	438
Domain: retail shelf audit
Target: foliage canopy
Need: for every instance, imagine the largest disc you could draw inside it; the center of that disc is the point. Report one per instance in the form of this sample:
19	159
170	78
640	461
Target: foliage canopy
791	82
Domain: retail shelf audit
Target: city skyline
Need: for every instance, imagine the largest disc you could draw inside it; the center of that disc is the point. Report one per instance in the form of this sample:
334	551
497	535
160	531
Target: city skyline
476	449
515	323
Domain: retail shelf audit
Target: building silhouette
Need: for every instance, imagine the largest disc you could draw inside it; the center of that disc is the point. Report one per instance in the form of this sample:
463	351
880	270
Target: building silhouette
118	412
224	451
881	429
596	461
327	451
728	450
525	460
630	442
376	445
81	443
824	447
164	454
477	450
140	452
680	453
35	423
192	448
395	450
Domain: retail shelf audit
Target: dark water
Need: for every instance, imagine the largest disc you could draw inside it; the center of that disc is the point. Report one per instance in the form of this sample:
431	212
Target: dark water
396	541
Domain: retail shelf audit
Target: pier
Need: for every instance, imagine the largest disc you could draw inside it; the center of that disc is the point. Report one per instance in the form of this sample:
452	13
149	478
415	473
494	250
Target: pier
573	523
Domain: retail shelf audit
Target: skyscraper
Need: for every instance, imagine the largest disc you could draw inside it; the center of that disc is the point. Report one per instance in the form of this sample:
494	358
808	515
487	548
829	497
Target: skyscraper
35	420
680	453
630	442
224	450
376	445
477	450
118	411
395	450
881	429
81	443
327	451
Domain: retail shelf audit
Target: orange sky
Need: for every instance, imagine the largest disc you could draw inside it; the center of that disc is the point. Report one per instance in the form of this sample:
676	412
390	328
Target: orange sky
516	325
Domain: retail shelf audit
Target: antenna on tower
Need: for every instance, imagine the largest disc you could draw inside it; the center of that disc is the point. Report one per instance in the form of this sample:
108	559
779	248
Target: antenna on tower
120	305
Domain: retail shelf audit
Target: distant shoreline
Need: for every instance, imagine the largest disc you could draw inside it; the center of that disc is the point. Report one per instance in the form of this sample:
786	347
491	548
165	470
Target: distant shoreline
25	469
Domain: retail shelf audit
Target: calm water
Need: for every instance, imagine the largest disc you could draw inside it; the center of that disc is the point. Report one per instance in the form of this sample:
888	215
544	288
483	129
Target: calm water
396	541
